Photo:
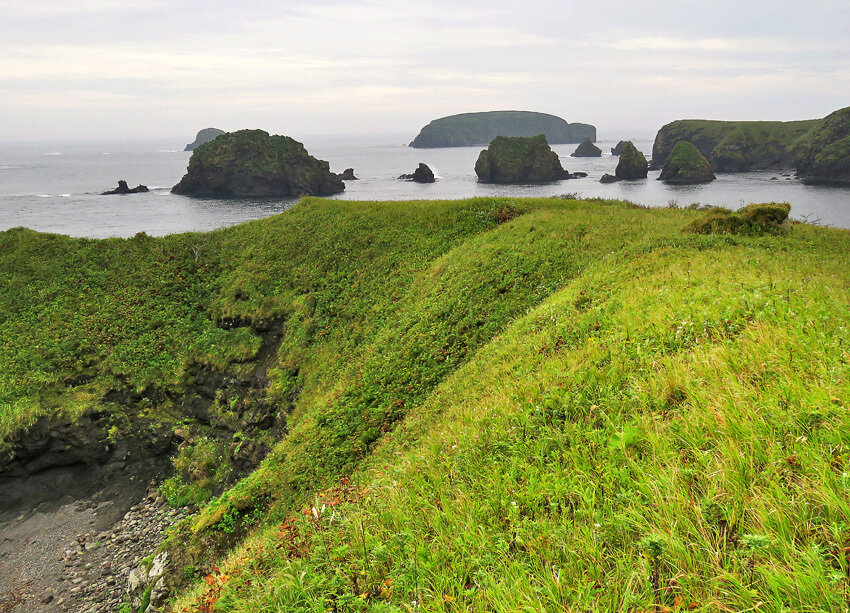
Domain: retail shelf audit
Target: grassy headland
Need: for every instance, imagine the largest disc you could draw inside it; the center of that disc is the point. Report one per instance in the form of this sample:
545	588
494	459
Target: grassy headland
495	404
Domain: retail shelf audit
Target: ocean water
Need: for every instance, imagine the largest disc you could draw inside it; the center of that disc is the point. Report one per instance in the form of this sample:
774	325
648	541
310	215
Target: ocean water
56	187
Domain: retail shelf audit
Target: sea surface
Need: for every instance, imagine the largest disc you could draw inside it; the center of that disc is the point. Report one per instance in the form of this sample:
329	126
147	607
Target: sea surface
56	187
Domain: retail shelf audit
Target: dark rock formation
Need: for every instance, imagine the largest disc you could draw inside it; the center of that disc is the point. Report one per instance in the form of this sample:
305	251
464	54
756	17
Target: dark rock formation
606	178
686	166
204	136
823	155
733	146
619	148
587	150
769	218
250	163
347	175
423	174
632	164
470	129
123	189
519	160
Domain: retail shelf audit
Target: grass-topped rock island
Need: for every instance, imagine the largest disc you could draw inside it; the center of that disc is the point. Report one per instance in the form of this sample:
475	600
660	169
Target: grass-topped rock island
491	405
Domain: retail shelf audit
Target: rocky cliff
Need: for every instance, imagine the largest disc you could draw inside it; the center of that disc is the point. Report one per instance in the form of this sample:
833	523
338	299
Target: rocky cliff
519	160
470	129
823	154
733	146
252	163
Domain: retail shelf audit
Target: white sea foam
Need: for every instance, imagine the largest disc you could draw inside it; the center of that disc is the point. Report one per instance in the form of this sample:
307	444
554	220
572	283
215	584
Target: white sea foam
54	153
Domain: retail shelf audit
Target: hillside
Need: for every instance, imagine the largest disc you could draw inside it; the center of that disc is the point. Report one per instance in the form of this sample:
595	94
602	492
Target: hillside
469	129
489	404
734	146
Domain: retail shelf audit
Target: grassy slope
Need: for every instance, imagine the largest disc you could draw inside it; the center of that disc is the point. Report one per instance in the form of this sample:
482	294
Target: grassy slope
669	423
669	427
734	146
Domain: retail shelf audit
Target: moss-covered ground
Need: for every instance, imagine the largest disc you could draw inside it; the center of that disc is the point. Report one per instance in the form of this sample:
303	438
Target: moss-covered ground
512	405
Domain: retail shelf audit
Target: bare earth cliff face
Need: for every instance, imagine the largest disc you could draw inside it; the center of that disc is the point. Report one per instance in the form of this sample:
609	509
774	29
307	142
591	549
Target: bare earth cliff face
250	163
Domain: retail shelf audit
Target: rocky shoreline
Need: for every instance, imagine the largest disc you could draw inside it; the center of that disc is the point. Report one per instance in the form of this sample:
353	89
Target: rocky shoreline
80	556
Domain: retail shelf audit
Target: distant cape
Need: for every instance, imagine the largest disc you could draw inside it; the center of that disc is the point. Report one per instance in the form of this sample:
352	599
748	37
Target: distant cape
204	136
470	129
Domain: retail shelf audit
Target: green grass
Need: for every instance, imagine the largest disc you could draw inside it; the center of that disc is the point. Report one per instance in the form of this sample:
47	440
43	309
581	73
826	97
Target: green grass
580	408
669	428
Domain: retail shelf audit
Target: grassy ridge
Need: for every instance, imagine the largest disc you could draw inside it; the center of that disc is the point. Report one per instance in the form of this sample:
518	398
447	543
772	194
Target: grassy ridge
668	428
498	404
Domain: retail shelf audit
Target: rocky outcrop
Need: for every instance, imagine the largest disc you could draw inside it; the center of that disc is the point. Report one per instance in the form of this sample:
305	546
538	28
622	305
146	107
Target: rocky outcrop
823	154
471	129
733	146
519	160
608	178
250	163
618	149
423	174
632	164
124	189
587	150
686	166
347	175
204	136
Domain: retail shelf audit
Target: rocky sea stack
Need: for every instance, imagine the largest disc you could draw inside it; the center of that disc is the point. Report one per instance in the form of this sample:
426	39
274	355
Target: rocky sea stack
470	129
823	155
686	166
123	188
587	150
422	174
618	149
519	160
632	164
250	163
204	136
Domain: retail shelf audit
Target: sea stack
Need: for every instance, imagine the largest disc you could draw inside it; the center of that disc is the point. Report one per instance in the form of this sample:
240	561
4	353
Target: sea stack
250	163
519	160
686	166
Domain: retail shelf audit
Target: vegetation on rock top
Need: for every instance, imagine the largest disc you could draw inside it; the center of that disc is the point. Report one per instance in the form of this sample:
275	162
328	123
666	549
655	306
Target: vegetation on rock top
733	146
823	154
686	166
469	129
632	164
252	163
519	159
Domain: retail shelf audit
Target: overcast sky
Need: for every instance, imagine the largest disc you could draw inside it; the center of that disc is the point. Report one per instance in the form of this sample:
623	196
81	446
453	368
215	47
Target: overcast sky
121	68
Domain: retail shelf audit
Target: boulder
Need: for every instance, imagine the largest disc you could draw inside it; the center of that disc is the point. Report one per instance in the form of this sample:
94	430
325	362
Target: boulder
587	150
686	166
823	155
619	148
423	174
632	164
204	136
347	175
250	163
608	178
124	189
519	159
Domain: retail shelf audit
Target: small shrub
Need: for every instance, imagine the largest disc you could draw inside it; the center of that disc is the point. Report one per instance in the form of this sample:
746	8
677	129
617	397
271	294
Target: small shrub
753	219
